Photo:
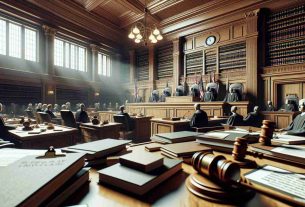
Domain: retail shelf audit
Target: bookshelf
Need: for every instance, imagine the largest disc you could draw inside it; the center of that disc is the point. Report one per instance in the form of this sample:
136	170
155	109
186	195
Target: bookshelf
286	36
142	64
210	61
232	56
164	56
193	63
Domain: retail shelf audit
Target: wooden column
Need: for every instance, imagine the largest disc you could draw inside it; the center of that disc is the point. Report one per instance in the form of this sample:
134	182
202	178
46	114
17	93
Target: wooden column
177	55
94	62
151	68
49	49
252	58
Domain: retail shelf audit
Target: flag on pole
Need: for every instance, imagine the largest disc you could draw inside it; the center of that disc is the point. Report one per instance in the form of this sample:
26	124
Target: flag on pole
135	88
213	77
201	87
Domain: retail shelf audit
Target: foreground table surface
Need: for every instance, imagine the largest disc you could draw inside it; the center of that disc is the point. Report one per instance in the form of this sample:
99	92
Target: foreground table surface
169	193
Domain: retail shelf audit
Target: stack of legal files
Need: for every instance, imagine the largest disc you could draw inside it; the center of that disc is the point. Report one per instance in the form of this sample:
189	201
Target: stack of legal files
139	172
175	137
28	178
224	140
97	152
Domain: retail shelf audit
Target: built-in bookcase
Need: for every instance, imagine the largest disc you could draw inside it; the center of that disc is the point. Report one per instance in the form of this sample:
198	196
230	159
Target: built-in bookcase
142	65
232	56
164	56
193	62
210	60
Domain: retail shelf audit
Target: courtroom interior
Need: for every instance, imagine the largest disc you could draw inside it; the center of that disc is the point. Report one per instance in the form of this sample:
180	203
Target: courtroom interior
152	103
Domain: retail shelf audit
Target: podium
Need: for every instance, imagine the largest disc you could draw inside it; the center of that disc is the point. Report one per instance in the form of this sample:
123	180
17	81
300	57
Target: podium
181	99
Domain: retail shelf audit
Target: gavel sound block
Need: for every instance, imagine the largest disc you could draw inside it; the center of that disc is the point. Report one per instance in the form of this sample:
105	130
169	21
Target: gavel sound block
217	179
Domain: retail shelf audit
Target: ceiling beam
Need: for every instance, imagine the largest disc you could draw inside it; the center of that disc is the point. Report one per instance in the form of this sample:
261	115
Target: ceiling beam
160	5
92	4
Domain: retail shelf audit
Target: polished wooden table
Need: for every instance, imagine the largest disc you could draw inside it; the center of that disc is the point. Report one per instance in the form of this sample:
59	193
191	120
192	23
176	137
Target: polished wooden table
159	125
65	136
92	132
169	193
142	129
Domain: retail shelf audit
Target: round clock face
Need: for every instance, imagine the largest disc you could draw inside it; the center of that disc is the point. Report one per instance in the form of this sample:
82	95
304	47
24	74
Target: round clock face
210	40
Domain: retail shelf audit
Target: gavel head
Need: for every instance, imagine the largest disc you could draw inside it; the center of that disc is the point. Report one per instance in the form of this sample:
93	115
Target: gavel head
216	167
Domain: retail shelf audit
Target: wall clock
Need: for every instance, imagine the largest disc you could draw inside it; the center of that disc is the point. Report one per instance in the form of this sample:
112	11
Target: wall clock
210	40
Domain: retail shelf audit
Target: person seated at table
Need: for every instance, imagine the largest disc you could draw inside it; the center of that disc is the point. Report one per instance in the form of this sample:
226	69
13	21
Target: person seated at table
253	118
39	107
64	107
209	95
122	111
81	115
44	107
232	96
270	106
289	106
154	96
235	119
3	128
297	126
49	111
68	106
56	108
199	118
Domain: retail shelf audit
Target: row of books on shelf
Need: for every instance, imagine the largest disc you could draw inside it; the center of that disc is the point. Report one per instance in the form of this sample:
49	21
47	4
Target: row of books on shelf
237	54
286	23
288	60
284	53
232	47
287	13
292	32
194	61
233	63
287	45
210	63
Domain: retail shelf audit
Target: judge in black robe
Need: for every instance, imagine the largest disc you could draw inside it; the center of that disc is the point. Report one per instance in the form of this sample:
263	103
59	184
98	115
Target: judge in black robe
270	106
290	106
233	96
235	119
209	96
154	97
297	126
253	118
81	115
199	118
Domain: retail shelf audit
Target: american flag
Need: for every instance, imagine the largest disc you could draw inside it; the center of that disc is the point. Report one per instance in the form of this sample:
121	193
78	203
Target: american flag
201	87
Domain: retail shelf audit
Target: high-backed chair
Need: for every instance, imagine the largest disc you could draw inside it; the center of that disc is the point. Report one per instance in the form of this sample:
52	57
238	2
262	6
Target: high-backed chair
44	117
68	118
128	126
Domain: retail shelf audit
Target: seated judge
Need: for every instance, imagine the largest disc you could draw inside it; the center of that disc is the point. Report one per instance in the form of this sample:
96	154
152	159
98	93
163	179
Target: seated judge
270	106
232	96
180	90
209	95
289	106
297	126
81	115
199	118
49	111
166	93
235	119
253	118
154	96
195	91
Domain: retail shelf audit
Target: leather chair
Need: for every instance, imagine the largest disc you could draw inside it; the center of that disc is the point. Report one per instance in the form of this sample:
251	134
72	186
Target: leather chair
127	128
68	118
44	117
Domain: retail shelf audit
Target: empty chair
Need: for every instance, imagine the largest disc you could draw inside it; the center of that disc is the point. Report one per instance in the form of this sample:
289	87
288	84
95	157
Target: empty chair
128	126
68	118
44	117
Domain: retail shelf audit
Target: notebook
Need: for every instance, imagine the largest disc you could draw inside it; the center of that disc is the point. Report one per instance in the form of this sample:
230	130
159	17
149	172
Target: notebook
175	137
288	139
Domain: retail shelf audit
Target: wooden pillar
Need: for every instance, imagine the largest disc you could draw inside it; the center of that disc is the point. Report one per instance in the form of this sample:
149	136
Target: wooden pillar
177	67
49	49
93	72
252	55
152	72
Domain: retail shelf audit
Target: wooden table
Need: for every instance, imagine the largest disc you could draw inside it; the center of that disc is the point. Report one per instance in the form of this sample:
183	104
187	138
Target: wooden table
66	137
142	129
159	125
92	132
169	193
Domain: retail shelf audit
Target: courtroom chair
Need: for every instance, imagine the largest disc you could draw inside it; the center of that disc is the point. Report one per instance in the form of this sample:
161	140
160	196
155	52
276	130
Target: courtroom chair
44	117
30	114
68	118
127	128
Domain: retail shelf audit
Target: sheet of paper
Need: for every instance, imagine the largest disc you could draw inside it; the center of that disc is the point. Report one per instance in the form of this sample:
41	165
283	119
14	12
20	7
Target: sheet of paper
281	180
9	156
291	150
220	135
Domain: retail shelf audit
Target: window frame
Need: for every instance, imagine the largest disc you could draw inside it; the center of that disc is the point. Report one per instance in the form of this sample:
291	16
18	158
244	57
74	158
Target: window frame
108	71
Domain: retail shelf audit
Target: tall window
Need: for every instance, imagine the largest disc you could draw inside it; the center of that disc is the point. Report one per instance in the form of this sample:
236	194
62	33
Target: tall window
70	55
104	64
17	40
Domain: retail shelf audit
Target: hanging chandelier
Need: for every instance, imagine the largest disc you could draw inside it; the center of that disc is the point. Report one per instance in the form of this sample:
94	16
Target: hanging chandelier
140	32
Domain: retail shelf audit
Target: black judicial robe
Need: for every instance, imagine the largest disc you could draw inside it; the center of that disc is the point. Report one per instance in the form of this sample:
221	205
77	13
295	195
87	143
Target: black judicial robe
290	107
199	119
81	116
208	96
297	126
253	119
231	97
235	120
270	108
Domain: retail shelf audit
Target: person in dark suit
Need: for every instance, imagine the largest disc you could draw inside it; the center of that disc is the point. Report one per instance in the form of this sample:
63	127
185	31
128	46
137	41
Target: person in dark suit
289	106
209	95
49	111
232	96
270	106
253	118
199	118
235	119
81	115
297	126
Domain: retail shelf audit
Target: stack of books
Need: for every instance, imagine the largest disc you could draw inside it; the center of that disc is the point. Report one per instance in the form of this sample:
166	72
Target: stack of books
138	173
175	137
97	152
224	140
183	151
31	179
